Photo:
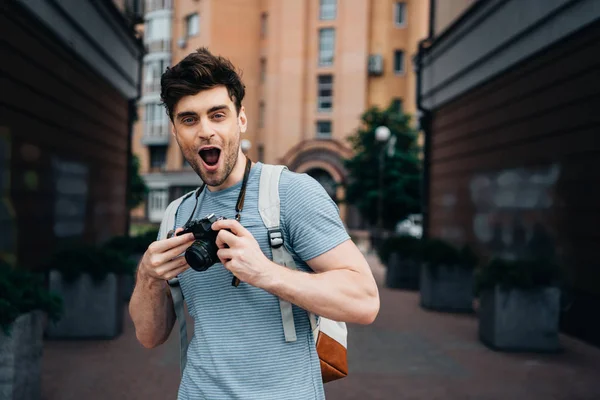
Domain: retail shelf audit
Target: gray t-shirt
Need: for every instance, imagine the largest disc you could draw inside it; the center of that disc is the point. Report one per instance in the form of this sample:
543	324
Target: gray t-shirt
238	350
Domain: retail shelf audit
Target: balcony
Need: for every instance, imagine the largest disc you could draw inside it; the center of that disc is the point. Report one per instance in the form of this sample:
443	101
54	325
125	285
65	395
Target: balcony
157	46
155	5
156	133
152	87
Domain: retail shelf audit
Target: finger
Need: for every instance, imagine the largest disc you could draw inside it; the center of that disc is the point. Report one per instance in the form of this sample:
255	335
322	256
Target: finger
171	254
226	239
231	224
174	273
160	246
170	266
225	255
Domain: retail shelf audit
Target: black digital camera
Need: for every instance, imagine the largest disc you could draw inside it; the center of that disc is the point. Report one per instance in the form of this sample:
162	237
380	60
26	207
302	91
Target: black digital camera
202	254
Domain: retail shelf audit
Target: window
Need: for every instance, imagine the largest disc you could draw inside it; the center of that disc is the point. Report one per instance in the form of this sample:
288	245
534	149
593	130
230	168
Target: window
325	93
328	9
326	46
323	129
149	112
192	23
155	113
400	13
399	62
397	105
263	69
264	19
158	156
158	28
261	115
157	203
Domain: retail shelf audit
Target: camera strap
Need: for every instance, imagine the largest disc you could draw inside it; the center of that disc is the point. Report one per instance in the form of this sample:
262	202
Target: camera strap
240	201
240	206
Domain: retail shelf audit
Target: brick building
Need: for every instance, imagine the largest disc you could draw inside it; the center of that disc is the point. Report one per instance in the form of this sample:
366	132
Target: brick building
509	94
68	80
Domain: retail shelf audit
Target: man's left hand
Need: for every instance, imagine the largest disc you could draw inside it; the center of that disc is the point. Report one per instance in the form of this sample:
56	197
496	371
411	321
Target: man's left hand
240	253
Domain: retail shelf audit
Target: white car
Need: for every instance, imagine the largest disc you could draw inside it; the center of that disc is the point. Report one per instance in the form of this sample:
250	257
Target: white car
412	226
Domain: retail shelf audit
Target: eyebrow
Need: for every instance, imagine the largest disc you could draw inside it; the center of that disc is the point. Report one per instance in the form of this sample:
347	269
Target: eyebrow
195	114
186	114
218	108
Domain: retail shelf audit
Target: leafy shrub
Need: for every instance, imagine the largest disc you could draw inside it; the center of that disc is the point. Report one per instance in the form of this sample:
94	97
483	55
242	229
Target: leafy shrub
520	274
21	292
132	244
97	262
437	252
407	246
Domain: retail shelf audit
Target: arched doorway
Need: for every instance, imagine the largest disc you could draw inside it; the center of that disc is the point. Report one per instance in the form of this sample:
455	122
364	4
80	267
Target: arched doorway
326	180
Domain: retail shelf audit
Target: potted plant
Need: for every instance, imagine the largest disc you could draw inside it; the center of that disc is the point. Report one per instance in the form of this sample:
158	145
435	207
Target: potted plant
24	304
132	247
87	278
519	304
401	255
447	276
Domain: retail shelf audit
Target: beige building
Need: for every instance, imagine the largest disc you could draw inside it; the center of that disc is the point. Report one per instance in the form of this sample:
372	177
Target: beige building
311	67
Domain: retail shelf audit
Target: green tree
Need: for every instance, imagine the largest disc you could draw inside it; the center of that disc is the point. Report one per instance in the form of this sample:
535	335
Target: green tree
138	189
401	175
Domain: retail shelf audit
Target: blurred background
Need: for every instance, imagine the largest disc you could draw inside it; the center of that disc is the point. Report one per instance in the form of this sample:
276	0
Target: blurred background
456	137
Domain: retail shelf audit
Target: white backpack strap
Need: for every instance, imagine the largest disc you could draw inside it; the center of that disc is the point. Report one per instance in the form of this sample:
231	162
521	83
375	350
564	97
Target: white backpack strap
269	207
167	224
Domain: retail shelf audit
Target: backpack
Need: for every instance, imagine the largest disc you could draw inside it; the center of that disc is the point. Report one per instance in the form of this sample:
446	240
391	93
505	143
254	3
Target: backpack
330	336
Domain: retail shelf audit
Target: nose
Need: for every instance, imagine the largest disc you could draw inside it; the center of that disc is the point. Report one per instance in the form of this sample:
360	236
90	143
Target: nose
205	132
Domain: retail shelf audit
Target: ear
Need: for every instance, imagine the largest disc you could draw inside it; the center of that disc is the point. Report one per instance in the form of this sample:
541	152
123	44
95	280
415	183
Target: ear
173	131
242	120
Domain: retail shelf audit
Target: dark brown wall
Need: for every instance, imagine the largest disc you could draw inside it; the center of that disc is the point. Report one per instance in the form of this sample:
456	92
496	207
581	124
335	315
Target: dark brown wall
54	108
532	133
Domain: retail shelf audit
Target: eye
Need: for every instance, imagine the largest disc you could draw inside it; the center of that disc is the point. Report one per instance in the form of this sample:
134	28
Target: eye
188	120
219	115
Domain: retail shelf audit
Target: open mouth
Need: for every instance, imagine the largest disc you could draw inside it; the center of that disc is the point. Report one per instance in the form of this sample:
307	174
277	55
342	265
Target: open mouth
210	155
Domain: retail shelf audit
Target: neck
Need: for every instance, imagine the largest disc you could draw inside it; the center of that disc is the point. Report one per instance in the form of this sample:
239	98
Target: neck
236	175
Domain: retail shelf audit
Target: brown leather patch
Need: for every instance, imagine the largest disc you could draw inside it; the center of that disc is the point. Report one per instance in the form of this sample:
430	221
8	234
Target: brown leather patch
334	362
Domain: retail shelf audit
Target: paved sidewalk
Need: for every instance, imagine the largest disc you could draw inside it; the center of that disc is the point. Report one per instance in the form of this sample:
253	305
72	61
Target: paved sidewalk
408	353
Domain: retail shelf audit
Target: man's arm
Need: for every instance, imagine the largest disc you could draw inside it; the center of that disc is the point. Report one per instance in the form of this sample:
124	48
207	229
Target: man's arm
342	287
151	306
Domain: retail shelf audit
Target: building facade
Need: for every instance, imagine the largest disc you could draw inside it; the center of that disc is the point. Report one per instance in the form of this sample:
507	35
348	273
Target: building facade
311	68
512	125
68	81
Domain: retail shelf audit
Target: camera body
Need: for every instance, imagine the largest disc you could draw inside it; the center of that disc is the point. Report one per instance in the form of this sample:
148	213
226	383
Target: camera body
202	254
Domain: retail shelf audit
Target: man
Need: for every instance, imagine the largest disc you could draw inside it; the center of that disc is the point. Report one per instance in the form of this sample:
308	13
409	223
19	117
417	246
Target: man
238	350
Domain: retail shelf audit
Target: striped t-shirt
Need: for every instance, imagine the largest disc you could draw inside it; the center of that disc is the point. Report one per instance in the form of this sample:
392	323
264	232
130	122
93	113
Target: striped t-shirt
238	350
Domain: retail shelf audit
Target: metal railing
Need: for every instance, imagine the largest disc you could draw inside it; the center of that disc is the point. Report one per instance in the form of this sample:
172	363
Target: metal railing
156	132
160	45
152	87
153	5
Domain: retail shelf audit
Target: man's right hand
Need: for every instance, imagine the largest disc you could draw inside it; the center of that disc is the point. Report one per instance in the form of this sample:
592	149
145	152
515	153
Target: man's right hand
163	261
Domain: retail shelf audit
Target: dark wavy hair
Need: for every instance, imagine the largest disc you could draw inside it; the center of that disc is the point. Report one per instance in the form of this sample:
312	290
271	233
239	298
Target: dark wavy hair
200	70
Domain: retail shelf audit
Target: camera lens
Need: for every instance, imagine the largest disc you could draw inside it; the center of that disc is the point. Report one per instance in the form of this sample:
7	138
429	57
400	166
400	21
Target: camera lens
198	257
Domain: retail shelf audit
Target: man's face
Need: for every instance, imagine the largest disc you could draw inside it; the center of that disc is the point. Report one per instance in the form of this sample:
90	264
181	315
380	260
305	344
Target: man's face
207	129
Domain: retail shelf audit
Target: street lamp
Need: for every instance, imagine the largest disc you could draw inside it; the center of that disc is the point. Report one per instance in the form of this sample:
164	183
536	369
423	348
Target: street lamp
382	135
245	145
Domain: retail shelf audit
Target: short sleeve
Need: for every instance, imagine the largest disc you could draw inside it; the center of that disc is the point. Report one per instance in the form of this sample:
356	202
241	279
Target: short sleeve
310	219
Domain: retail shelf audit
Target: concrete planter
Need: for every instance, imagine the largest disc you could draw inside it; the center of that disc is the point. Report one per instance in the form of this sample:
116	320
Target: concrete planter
448	288
20	358
519	320
402	273
91	310
127	282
